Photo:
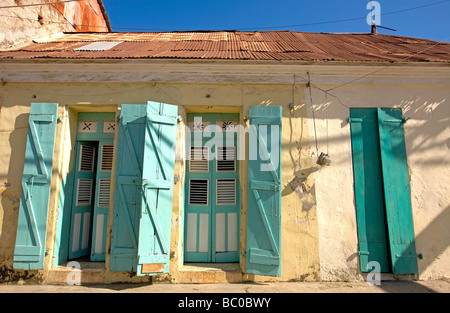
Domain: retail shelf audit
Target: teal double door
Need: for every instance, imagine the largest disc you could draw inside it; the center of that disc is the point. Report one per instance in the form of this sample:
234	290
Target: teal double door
92	186
212	201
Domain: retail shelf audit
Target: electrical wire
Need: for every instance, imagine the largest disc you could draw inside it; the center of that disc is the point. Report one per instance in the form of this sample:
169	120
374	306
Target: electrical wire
327	91
35	4
385	67
243	28
62	23
348	19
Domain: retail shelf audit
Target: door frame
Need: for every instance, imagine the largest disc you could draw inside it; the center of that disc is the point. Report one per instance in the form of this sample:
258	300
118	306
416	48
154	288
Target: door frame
211	256
67	194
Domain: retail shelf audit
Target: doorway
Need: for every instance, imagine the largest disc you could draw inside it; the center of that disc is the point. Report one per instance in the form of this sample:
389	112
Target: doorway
93	159
212	215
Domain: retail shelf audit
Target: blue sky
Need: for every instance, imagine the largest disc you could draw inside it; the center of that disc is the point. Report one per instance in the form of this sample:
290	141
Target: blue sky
430	21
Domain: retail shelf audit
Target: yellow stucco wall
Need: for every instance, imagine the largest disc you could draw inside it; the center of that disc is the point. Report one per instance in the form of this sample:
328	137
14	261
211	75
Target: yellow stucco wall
300	250
319	235
427	134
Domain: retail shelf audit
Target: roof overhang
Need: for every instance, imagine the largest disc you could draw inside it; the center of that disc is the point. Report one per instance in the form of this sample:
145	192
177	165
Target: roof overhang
223	71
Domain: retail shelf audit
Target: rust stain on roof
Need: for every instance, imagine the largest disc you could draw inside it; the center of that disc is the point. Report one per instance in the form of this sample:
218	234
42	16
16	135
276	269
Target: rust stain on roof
233	45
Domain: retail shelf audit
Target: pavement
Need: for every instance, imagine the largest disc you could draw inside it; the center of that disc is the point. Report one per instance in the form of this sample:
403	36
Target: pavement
433	286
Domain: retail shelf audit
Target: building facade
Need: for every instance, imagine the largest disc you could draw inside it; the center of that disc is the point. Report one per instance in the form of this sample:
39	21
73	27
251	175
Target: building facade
177	156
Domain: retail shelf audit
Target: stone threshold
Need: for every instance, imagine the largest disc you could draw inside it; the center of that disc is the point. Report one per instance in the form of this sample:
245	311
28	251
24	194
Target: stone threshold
189	273
210	273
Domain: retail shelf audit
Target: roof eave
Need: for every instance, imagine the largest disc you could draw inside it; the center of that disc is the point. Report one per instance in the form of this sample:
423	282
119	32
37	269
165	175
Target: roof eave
113	61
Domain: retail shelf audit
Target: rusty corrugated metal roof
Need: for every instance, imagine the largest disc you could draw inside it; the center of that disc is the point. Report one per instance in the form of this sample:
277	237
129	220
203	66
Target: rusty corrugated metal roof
233	45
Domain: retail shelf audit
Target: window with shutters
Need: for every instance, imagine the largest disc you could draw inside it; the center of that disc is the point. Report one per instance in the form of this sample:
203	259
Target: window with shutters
382	191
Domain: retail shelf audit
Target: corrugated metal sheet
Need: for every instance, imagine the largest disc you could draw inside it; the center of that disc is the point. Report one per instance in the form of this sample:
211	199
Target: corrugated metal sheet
232	45
99	46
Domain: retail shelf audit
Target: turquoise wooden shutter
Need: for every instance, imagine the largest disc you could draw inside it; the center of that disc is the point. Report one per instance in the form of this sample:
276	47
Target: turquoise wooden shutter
397	191
144	189
33	210
264	193
101	203
83	200
369	198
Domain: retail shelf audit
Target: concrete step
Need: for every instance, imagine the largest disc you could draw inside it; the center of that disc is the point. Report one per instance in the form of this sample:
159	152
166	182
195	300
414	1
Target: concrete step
64	275
190	273
210	273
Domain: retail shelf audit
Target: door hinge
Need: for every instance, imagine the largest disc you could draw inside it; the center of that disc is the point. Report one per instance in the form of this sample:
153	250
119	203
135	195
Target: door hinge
355	120
409	256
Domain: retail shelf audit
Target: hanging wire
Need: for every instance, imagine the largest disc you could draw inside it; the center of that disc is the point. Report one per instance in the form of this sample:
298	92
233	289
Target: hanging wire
327	119
313	113
292	105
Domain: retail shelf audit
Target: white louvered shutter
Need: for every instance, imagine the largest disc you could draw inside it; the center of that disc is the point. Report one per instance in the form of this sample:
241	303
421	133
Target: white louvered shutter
107	157
104	190
87	157
226	191
84	192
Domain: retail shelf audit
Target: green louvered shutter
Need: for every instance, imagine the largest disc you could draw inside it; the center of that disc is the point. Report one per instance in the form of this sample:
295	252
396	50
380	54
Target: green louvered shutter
29	250
144	189
397	191
263	256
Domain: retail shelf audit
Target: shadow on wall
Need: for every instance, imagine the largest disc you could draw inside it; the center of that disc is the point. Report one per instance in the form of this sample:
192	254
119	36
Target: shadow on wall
428	132
434	239
432	117
431	243
10	196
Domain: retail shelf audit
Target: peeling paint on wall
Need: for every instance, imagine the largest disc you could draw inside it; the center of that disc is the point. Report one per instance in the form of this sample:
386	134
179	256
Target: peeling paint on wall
23	24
